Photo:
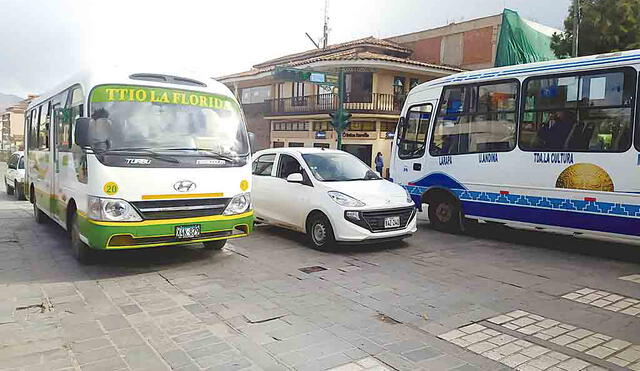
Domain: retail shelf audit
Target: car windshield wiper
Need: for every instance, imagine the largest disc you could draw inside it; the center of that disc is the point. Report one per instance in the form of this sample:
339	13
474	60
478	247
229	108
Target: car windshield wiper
207	153
144	150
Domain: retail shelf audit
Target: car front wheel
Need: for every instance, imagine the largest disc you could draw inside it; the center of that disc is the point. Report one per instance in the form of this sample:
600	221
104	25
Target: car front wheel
320	232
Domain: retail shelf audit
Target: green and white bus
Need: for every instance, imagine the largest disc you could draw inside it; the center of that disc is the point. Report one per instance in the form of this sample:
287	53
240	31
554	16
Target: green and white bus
132	160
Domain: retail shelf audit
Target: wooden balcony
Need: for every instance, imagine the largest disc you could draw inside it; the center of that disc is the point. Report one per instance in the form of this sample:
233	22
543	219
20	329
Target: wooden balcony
325	103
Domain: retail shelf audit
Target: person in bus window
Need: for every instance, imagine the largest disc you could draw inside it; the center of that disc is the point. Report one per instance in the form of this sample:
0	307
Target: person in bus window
554	134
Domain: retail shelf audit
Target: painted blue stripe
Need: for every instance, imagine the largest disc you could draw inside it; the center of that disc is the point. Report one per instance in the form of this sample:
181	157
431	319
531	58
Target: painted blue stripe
555	218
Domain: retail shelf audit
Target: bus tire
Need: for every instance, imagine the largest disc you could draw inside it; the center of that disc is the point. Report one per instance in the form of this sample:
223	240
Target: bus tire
320	232
445	214
38	215
214	245
80	250
19	191
10	189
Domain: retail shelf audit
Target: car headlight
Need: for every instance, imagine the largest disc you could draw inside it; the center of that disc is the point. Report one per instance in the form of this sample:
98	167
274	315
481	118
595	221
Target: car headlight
112	209
345	200
239	204
409	199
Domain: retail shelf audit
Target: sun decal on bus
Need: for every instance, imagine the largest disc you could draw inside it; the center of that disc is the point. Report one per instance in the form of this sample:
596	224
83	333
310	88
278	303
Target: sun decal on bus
585	176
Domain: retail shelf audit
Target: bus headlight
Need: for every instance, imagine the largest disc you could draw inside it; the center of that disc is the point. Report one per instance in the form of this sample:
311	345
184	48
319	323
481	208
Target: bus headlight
239	204
112	209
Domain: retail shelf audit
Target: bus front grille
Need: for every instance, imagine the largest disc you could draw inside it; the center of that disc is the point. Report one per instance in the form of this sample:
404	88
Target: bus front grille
180	208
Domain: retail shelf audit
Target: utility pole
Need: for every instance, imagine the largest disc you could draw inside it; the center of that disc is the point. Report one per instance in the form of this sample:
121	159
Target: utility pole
576	26
325	30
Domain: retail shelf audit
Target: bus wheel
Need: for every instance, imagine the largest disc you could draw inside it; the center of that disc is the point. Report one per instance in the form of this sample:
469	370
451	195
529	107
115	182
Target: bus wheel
38	215
444	214
19	191
9	189
79	249
214	245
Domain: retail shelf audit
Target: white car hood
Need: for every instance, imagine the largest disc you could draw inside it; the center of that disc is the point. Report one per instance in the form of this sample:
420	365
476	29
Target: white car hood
374	193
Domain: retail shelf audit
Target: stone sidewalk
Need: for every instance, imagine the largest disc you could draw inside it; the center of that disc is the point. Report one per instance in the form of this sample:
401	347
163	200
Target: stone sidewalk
268	302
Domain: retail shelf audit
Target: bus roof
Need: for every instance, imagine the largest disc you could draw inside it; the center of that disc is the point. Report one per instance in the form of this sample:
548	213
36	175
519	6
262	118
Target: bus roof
616	59
99	76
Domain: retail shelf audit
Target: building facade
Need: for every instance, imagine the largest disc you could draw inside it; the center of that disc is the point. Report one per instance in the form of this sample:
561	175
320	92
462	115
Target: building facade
378	76
12	128
471	45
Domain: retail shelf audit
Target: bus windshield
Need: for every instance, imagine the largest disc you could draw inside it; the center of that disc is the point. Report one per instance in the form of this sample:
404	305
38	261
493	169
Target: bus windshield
136	117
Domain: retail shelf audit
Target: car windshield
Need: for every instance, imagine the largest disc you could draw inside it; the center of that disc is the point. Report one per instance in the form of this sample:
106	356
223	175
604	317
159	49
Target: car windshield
135	117
338	167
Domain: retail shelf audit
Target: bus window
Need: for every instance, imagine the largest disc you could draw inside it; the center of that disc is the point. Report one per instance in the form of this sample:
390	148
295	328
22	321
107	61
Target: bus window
582	113
475	119
73	109
412	137
32	125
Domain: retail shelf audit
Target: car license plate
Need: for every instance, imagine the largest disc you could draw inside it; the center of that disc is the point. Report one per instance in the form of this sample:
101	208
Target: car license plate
185	232
392	222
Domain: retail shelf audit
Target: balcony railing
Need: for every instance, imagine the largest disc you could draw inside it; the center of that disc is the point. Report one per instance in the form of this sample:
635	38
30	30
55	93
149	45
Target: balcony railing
325	103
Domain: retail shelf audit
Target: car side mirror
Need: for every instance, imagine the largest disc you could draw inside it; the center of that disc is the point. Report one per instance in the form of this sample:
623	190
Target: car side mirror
295	178
252	142
81	134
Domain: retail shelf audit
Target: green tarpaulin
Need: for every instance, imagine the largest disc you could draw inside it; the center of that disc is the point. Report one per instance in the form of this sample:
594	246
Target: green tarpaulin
520	43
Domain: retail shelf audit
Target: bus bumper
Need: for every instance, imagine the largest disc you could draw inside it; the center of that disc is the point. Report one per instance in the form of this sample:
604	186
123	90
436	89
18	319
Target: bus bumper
153	233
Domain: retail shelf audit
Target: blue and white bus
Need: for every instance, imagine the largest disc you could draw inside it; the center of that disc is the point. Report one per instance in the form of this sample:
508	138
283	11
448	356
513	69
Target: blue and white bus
552	145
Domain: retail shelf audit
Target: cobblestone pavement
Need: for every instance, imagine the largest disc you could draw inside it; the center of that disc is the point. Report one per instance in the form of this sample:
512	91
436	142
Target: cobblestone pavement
488	300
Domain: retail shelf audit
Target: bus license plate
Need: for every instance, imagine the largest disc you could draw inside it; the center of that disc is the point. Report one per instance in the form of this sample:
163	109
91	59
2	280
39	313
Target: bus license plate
392	222
185	232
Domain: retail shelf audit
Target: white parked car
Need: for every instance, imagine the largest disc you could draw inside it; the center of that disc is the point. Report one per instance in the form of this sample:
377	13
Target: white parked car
330	195
14	178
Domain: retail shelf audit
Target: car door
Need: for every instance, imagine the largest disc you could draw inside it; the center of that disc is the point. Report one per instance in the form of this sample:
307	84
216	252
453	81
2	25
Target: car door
262	170
11	170
292	198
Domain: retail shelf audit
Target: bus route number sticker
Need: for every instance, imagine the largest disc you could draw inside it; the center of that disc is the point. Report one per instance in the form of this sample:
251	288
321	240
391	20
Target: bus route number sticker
110	188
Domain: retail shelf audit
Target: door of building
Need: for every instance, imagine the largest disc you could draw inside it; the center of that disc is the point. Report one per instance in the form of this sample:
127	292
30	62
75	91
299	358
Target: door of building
361	151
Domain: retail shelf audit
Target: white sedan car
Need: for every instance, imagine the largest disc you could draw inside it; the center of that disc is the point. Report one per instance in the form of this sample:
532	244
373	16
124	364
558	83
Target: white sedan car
330	195
14	178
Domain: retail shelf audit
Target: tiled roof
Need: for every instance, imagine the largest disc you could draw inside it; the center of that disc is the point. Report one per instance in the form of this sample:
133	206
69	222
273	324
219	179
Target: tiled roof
354	53
370	42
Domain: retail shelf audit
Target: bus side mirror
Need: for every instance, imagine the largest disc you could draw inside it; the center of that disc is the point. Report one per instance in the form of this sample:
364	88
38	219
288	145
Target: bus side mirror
252	142
81	135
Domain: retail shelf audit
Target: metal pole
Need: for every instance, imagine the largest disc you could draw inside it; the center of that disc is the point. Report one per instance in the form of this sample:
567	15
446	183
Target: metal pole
340	105
576	26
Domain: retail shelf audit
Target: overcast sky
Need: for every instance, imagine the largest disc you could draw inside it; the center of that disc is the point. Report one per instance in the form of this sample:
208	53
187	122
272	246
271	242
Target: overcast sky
42	41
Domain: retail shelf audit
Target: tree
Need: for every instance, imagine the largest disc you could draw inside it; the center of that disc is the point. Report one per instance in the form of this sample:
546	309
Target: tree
605	26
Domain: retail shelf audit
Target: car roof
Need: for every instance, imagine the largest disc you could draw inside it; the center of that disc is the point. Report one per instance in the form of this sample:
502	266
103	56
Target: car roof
18	153
296	150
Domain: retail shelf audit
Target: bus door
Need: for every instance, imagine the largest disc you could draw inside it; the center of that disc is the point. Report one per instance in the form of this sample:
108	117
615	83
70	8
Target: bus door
411	146
56	202
58	199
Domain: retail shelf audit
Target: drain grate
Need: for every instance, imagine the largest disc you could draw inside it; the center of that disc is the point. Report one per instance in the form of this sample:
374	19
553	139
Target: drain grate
313	269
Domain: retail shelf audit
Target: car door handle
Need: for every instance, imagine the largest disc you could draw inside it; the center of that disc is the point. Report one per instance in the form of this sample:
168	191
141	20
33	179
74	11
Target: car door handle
417	166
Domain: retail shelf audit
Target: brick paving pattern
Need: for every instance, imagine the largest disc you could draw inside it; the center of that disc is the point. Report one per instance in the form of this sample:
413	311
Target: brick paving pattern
606	300
250	307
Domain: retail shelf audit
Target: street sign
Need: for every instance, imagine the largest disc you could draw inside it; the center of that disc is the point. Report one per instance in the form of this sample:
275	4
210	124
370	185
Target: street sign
340	119
300	75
